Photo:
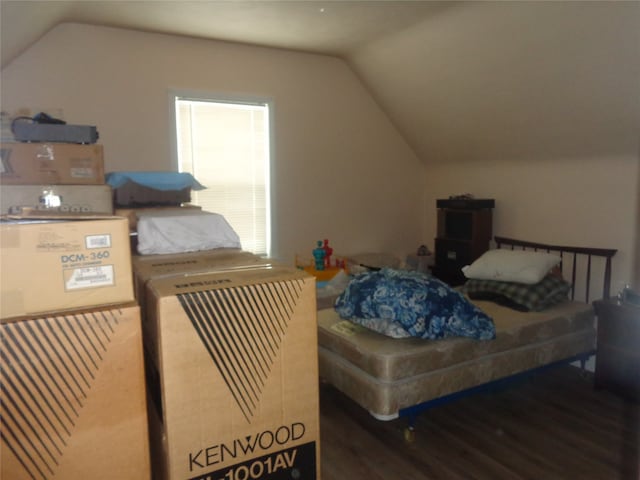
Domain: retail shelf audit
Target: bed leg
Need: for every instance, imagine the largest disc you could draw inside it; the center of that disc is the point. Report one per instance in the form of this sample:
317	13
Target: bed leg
583	367
410	429
409	434
584	373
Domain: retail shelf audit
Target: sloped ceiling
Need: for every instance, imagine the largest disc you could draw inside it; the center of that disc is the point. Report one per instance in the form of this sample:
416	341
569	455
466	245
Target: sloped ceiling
461	81
513	80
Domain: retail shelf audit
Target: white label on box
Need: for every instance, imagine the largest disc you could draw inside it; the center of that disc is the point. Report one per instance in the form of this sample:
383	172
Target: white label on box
89	277
98	241
45	152
82	172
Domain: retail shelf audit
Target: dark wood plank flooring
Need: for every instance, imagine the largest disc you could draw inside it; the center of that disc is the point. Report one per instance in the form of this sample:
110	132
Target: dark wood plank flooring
552	425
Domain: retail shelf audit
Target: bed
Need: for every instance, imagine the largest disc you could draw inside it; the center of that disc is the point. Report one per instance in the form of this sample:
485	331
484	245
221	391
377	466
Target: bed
392	377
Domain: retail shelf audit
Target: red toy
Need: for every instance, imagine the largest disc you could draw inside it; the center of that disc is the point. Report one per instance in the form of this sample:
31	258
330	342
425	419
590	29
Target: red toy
327	253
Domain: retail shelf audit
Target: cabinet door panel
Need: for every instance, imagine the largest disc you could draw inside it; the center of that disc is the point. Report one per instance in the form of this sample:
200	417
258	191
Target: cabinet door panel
452	253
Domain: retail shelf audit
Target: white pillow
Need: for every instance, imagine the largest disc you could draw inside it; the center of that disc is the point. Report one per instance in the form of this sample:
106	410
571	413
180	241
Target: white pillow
522	266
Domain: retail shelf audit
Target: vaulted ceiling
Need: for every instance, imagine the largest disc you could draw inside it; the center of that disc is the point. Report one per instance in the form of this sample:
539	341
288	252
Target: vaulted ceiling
460	80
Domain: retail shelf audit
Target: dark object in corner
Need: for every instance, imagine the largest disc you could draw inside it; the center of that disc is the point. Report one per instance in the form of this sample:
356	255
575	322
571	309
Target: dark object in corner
618	358
630	297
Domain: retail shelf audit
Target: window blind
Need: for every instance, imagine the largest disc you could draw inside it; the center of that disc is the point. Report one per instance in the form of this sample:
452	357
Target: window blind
225	146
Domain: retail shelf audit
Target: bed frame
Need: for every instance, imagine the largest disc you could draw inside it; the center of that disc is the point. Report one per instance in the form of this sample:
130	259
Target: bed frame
570	255
584	264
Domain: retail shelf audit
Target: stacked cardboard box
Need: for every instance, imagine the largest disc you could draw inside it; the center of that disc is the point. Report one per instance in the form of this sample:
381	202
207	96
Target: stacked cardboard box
72	389
52	163
73	396
53	176
231	360
230	347
56	265
147	267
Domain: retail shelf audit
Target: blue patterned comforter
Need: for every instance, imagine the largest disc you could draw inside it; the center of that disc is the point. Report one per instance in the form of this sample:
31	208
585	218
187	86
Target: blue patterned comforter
399	303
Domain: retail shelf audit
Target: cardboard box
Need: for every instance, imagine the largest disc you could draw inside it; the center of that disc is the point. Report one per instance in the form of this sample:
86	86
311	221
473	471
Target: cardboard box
58	265
72	396
51	163
132	194
63	198
134	213
233	375
146	267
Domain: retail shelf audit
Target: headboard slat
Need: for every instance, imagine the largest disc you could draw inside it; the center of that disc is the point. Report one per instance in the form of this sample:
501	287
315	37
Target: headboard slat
588	277
573	276
606	253
607	278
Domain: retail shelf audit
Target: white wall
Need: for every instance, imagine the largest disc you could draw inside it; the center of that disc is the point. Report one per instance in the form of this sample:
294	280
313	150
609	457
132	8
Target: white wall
508	80
341	170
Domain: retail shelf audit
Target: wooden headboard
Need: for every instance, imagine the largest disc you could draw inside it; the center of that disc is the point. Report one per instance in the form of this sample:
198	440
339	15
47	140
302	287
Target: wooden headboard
572	255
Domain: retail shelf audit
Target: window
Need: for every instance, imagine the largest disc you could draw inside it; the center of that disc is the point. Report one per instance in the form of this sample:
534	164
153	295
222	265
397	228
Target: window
225	146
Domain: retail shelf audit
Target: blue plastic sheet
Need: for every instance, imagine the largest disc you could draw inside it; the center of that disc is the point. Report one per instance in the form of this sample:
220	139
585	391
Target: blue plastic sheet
156	180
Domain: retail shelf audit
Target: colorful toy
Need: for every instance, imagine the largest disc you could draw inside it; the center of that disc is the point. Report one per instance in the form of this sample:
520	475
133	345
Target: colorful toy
321	265
319	256
327	253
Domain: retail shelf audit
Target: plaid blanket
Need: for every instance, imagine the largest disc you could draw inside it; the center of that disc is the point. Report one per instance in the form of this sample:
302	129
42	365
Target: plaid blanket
549	291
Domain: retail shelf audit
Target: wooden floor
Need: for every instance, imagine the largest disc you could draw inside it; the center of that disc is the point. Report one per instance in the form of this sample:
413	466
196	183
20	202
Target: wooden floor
553	425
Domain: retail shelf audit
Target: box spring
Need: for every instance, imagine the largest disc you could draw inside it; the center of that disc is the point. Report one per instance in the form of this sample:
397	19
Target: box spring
386	375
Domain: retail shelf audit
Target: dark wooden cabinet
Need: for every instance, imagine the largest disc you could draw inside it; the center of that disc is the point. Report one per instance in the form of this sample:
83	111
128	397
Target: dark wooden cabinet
464	233
618	355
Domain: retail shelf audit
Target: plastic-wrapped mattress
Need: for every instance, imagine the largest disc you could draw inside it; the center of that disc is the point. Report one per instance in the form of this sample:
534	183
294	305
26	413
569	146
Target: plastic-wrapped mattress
191	231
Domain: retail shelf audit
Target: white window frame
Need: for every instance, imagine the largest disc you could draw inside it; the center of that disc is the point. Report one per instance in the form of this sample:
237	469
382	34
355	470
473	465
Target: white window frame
175	94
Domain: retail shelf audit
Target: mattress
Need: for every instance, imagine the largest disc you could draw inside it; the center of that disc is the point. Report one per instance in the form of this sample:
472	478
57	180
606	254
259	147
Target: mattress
386	375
